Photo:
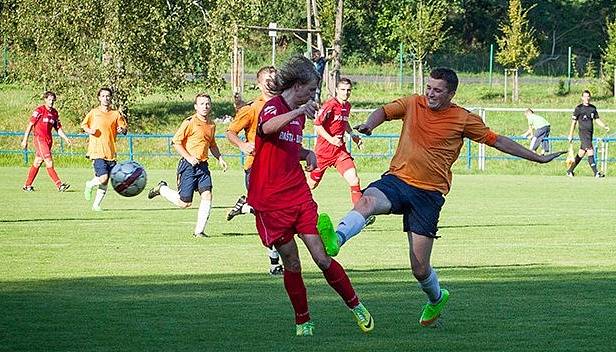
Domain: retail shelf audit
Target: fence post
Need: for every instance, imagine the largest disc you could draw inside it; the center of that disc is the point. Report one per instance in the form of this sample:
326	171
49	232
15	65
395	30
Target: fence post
130	147
401	62
469	156
569	71
491	63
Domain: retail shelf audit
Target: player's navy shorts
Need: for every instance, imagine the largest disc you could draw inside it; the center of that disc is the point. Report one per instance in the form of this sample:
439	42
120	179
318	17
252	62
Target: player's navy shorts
193	178
102	166
277	227
420	208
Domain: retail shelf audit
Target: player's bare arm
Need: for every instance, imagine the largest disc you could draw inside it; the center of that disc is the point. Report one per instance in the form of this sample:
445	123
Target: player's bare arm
63	136
571	129
185	154
24	141
335	140
375	119
310	158
356	138
274	124
510	147
602	124
218	155
245	147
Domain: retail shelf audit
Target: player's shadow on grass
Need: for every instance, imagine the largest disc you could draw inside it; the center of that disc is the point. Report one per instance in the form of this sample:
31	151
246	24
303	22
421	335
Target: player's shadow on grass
493	225
55	219
407	269
233	234
496	309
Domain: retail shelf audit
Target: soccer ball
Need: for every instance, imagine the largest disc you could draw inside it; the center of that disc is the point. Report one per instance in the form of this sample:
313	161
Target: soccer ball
128	178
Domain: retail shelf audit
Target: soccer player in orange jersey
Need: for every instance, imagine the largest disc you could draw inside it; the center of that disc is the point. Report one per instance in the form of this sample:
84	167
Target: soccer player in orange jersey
281	197
103	125
419	176
246	120
331	125
193	140
43	120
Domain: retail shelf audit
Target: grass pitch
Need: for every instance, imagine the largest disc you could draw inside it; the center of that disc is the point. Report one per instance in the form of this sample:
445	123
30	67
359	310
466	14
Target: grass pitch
528	260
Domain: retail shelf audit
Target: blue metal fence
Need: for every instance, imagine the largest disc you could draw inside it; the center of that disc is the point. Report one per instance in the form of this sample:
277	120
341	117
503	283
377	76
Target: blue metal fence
161	147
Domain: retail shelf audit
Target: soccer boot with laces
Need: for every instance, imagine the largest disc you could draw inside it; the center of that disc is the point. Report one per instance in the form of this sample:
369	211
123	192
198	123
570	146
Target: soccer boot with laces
237	208
276	270
328	235
305	329
156	190
27	189
63	187
364	318
432	311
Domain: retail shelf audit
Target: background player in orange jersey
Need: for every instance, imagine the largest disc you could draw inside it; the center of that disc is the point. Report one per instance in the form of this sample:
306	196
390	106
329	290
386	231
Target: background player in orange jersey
103	125
193	140
419	175
43	120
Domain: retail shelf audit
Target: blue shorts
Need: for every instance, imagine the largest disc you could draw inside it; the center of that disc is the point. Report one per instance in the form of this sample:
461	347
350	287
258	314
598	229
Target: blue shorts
102	166
421	208
193	178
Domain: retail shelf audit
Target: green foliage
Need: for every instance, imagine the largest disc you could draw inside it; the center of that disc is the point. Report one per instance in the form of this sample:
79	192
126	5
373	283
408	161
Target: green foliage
590	70
609	55
422	28
517	45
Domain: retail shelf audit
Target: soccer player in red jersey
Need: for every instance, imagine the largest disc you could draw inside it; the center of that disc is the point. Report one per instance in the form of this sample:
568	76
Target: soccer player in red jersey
43	120
331	125
280	195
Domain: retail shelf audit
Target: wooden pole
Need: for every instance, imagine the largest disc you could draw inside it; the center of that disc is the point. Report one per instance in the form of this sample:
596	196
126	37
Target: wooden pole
309	27
317	26
334	75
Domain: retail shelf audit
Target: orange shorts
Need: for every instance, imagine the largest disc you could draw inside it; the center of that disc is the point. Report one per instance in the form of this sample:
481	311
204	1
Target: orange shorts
279	226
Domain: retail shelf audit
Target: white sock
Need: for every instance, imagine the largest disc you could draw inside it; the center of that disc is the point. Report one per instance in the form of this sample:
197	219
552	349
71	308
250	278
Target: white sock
100	194
350	226
431	287
170	195
203	215
246	209
93	182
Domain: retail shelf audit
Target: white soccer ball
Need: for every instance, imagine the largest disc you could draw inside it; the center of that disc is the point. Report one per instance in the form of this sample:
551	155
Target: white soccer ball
128	178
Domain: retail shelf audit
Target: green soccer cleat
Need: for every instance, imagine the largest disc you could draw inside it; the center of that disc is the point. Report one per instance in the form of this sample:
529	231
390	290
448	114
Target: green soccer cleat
328	235
364	318
431	312
87	191
305	329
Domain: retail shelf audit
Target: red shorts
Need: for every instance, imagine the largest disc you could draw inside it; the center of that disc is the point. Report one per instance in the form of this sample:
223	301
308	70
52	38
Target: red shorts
279	226
42	147
343	161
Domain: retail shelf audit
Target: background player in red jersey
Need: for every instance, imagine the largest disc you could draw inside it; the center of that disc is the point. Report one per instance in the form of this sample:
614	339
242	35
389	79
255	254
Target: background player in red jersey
43	120
331	125
280	195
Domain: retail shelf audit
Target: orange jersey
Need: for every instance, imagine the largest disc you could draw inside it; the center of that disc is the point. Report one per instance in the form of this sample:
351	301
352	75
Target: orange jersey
196	136
102	145
430	141
246	119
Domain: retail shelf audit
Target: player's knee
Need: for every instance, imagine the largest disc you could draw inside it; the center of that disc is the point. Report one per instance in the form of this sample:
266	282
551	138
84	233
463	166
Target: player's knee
48	163
293	265
183	204
323	261
421	272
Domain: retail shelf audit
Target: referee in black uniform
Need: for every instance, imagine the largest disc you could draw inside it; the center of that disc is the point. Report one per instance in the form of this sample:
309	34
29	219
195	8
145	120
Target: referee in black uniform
584	114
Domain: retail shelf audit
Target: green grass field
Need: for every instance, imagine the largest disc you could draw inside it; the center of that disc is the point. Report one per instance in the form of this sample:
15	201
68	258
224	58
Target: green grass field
529	262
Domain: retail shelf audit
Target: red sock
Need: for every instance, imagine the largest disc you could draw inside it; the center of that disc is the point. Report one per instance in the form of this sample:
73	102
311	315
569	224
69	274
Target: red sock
31	175
339	281
355	194
54	176
294	284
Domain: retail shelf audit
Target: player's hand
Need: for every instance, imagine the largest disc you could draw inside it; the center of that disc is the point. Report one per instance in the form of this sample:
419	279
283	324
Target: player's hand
222	164
24	144
122	130
247	148
337	141
311	161
363	129
192	160
549	157
607	129
309	109
357	139
570	139
68	141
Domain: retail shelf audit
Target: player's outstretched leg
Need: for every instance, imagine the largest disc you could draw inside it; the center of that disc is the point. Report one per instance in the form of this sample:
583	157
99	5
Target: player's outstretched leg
432	311
364	318
237	208
328	235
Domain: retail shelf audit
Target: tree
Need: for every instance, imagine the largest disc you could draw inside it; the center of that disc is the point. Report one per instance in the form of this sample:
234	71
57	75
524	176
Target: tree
422	30
132	46
609	56
517	46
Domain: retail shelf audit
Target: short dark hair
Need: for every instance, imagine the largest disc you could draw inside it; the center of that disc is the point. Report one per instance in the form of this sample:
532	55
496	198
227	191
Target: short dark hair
448	75
344	80
98	94
587	91
298	69
49	93
201	95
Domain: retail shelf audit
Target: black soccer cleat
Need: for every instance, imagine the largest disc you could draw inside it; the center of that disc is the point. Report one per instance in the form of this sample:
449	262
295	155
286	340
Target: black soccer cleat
27	189
200	235
63	187
237	208
599	175
156	190
276	270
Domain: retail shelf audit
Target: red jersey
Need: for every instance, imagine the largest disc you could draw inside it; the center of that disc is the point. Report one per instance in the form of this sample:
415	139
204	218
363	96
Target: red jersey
277	179
334	118
44	121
